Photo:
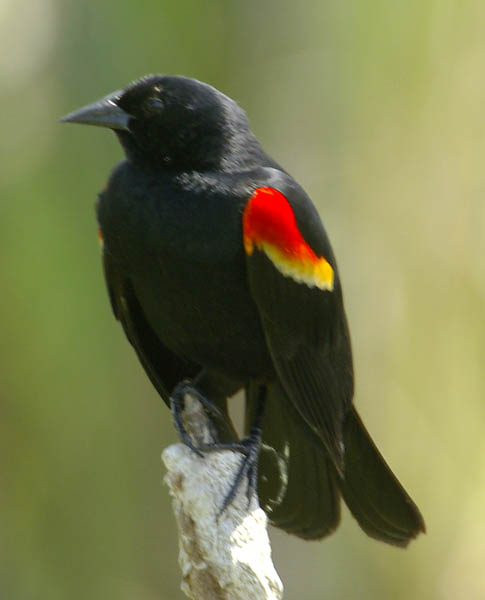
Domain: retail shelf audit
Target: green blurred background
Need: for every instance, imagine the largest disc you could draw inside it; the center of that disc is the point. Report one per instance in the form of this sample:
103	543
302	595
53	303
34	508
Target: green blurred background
377	108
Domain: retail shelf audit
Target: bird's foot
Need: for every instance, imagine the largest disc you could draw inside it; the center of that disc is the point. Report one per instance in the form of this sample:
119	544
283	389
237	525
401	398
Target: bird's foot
250	448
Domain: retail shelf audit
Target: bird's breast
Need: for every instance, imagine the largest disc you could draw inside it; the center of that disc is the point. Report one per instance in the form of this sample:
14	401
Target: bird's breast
185	260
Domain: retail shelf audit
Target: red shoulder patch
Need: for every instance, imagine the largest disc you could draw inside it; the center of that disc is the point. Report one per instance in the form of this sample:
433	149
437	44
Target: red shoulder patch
270	224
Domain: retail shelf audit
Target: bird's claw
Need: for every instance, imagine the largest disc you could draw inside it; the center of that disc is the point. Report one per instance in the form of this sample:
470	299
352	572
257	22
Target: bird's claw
249	447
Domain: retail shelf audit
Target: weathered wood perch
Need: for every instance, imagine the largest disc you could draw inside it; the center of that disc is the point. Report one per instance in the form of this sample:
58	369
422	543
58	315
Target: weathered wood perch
226	557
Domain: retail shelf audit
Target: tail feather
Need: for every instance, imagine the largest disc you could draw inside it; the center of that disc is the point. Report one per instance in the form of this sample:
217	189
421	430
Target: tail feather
297	486
373	494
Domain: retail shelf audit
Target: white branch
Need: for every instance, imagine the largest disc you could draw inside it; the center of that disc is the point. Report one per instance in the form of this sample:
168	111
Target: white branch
226	557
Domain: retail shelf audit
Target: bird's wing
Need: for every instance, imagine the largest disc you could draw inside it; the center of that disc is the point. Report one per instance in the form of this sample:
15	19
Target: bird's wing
294	282
162	366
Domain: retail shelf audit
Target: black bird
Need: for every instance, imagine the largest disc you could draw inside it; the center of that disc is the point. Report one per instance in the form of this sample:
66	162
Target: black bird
221	273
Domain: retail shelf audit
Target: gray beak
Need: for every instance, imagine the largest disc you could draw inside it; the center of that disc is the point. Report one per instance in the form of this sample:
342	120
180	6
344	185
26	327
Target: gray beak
103	113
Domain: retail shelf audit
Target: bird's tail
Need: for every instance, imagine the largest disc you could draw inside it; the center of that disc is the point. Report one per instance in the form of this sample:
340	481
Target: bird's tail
372	492
297	485
299	488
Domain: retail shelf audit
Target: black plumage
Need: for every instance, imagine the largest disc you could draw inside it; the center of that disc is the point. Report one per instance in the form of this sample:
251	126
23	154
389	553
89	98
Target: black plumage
201	299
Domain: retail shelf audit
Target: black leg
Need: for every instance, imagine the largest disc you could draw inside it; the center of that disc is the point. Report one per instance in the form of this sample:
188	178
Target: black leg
249	447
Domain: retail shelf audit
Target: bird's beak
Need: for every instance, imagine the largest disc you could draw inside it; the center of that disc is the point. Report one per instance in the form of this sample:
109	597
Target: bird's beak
103	113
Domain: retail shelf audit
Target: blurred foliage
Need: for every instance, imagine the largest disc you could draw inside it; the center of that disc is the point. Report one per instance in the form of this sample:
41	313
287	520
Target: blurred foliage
377	109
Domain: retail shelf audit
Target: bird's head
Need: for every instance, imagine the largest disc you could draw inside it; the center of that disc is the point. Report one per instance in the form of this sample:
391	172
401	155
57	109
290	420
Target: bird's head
174	122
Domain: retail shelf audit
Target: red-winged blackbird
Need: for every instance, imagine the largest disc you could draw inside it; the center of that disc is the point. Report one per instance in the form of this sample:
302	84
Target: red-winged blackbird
221	273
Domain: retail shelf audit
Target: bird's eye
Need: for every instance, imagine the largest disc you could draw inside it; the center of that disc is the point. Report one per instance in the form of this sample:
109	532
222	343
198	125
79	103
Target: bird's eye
154	104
